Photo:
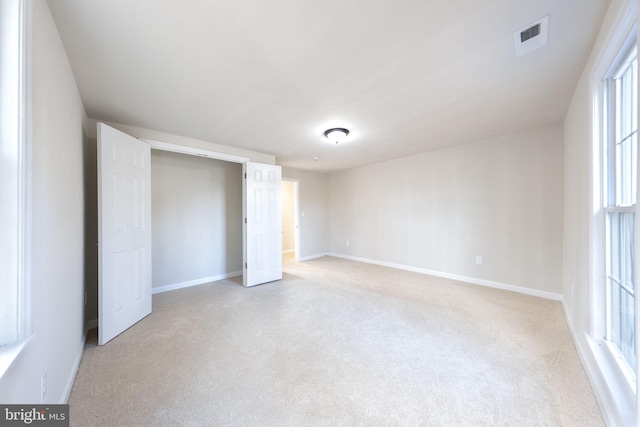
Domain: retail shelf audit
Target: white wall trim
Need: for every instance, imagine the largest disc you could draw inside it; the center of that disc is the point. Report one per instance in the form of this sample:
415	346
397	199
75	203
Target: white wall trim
27	161
91	324
66	392
624	21
183	149
195	282
481	282
10	354
310	257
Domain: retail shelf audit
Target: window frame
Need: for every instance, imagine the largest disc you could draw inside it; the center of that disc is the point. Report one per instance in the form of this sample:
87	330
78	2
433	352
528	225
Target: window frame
611	200
613	52
15	115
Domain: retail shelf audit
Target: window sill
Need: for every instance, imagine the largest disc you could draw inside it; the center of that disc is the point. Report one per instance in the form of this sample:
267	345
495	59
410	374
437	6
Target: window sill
618	384
10	354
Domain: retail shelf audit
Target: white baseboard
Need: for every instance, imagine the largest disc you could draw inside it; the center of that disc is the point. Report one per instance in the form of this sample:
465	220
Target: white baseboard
196	282
310	257
288	251
64	398
91	324
481	282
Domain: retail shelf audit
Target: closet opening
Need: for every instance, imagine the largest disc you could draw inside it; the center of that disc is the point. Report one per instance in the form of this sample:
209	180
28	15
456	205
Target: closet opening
290	220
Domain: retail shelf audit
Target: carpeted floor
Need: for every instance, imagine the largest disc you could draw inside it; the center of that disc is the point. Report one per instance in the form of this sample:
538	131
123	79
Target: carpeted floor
338	342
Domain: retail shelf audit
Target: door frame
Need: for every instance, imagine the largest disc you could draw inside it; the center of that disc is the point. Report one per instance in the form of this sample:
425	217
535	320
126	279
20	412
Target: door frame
183	149
296	215
192	151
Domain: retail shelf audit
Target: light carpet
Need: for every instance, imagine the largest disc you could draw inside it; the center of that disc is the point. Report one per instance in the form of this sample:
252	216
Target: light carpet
338	342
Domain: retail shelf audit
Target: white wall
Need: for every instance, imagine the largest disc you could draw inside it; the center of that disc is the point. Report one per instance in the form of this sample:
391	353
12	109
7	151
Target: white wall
500	198
57	240
288	217
314	227
196	218
577	211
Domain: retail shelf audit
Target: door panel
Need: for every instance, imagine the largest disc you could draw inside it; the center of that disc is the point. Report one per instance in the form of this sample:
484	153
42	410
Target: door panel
262	208
124	227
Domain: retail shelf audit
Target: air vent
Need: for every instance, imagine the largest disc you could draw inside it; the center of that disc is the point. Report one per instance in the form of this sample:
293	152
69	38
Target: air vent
529	33
532	36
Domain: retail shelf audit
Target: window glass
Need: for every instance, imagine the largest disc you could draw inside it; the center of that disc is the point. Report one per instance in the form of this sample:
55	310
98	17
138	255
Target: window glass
621	284
626	136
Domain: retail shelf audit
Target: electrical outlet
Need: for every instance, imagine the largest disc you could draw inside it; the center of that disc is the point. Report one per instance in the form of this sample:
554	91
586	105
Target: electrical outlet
478	259
43	386
347	243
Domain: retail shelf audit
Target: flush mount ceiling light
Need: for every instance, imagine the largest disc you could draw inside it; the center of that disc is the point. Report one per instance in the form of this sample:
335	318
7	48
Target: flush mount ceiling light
336	134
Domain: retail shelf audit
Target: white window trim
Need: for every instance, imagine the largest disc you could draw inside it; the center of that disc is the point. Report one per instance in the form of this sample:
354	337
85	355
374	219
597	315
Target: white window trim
621	391
11	353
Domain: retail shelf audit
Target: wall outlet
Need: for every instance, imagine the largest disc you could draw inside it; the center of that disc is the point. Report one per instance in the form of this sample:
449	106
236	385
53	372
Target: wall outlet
478	259
43	386
347	243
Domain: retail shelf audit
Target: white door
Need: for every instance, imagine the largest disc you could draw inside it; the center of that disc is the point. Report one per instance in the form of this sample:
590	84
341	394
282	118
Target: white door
262	209
124	227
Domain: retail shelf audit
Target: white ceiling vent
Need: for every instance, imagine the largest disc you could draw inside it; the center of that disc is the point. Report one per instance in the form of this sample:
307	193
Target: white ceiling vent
532	36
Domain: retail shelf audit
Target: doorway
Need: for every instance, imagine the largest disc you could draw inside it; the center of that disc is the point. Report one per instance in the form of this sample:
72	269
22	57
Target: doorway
290	220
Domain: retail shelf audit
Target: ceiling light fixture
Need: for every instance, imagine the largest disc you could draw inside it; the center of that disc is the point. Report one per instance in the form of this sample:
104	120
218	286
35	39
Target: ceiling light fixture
336	134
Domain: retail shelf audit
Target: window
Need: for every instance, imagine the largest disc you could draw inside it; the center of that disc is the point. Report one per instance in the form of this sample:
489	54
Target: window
615	214
615	219
620	190
13	299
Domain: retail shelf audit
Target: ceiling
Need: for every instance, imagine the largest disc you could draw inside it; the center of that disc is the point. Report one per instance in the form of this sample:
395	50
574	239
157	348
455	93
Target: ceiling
404	76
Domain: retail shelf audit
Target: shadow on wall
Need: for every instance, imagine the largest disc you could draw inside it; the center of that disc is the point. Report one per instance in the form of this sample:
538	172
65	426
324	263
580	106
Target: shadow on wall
233	214
90	157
